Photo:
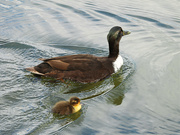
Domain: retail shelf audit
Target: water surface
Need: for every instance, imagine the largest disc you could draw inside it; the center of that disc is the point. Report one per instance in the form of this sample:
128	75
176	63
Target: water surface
142	98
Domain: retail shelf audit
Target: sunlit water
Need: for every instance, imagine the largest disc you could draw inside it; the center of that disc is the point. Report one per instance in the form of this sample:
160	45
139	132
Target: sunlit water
142	98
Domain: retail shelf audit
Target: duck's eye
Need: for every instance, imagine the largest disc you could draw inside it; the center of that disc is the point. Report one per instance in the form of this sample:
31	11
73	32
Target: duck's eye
119	35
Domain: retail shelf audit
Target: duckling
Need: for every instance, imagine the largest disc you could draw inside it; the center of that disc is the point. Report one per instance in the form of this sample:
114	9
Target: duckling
84	68
67	107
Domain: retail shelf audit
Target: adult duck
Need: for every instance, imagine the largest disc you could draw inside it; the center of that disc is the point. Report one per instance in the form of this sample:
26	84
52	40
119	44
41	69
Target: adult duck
84	68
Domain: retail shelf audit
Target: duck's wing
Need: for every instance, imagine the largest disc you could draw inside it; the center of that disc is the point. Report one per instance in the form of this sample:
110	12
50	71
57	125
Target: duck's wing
72	62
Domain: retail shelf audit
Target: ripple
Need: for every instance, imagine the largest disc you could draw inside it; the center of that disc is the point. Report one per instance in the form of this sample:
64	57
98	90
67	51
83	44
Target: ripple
158	23
15	45
121	19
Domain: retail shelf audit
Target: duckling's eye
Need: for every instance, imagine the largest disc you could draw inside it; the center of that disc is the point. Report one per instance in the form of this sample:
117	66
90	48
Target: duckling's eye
75	102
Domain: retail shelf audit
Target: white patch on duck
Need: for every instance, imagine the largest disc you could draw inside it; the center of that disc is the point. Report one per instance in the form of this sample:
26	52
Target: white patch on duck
118	63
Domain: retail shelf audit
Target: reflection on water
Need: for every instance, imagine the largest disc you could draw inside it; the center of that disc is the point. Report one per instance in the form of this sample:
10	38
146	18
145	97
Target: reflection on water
142	102
57	122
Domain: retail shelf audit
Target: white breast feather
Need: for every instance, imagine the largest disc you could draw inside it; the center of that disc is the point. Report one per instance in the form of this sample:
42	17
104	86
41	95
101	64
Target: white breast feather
117	63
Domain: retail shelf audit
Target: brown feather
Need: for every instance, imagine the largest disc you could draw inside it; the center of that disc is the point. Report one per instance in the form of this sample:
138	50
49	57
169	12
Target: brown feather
82	68
58	64
62	108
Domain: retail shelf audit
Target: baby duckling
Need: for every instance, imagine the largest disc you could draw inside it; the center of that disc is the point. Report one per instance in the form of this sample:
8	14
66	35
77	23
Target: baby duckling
67	107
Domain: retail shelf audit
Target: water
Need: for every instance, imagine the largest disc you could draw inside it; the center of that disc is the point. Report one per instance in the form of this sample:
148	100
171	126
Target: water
142	98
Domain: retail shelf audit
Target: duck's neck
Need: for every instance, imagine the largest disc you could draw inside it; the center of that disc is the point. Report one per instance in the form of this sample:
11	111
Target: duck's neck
113	49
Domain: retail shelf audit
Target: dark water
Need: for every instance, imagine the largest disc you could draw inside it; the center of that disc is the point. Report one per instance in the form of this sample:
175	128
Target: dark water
142	98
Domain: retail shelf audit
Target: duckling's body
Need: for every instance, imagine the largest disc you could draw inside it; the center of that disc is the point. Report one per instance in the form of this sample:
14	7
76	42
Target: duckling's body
67	107
84	67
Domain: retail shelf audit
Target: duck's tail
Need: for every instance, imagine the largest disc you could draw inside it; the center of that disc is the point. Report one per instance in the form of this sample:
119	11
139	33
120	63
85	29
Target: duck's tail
32	70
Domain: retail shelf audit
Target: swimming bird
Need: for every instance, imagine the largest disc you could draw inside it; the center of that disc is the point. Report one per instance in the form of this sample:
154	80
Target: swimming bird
84	68
67	107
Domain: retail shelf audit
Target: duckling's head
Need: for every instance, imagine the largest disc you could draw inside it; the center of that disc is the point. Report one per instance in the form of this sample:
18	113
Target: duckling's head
75	102
114	36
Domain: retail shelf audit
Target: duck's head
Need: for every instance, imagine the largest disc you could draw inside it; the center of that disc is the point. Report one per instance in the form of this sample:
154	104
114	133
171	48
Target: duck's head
75	102
114	36
116	33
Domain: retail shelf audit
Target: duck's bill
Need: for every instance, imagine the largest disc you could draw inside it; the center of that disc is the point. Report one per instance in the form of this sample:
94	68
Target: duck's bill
126	33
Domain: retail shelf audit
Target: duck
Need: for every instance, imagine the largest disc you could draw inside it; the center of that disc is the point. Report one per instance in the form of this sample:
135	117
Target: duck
84	68
67	107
